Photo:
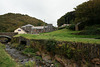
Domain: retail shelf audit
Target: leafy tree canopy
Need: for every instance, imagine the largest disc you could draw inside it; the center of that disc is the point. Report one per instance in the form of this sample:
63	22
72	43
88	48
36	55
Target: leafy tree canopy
88	12
67	18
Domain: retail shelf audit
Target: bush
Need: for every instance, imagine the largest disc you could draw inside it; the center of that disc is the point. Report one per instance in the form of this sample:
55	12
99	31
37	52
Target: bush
71	27
14	45
20	47
30	64
30	51
91	30
56	63
65	50
50	45
38	58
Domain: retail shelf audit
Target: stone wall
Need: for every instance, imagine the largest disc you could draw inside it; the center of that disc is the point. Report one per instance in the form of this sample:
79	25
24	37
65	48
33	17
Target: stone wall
69	54
19	40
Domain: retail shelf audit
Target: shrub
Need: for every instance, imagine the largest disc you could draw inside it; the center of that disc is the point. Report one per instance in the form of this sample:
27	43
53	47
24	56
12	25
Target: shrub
71	27
38	58
30	51
50	45
65	50
30	64
20	47
14	45
91	30
56	63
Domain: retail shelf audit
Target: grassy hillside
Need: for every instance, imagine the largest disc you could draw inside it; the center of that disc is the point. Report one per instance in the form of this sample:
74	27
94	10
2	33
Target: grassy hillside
9	22
5	59
64	35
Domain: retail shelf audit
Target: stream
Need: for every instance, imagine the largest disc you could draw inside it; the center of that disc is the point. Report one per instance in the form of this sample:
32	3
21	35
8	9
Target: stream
20	58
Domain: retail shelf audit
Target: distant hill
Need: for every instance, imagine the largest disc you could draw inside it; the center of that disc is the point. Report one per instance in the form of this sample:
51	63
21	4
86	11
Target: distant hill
10	21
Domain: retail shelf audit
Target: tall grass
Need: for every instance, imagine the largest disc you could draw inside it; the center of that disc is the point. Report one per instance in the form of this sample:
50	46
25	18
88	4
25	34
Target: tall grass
5	59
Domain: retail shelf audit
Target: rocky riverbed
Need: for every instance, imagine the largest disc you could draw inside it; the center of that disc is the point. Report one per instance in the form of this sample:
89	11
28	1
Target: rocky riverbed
20	58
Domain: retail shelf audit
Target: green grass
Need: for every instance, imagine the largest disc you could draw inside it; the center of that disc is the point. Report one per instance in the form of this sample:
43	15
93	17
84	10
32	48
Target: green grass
5	59
64	35
30	64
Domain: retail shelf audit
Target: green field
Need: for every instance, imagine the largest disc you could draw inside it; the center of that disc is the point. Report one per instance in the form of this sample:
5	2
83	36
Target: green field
5	59
64	35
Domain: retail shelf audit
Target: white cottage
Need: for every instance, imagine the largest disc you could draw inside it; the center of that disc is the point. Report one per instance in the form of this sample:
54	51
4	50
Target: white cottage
20	31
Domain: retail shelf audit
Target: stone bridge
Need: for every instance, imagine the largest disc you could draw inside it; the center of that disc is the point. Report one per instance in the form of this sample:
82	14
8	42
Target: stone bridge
7	35
11	34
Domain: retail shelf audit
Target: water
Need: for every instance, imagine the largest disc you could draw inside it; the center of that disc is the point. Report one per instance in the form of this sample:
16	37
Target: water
19	57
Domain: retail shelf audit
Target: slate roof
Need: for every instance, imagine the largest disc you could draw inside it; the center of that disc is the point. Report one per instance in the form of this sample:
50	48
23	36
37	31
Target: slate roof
39	27
28	25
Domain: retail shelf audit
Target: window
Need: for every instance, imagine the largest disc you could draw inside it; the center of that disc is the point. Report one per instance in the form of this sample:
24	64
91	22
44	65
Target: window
19	30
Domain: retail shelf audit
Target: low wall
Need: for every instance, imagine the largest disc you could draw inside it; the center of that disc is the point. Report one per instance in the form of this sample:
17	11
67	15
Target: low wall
8	33
69	54
19	40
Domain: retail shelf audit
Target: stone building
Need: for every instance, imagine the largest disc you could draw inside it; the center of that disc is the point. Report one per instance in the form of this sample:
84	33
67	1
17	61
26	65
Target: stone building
30	29
27	28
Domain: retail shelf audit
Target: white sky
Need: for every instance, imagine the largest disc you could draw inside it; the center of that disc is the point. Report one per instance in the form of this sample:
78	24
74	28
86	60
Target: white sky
50	10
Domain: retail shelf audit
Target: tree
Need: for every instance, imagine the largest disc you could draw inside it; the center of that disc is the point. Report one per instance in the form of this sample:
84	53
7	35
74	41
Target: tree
68	18
88	13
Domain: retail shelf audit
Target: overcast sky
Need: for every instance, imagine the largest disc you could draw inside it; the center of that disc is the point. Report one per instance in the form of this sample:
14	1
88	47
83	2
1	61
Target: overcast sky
50	10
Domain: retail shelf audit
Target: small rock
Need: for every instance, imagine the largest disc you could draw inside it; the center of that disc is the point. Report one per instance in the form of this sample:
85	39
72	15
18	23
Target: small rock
46	58
51	65
38	53
96	61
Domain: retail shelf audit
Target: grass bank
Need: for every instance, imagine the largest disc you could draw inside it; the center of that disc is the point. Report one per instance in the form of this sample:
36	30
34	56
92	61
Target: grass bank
64	35
5	59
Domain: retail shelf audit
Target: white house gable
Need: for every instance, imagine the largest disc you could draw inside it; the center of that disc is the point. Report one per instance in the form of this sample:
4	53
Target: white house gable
20	31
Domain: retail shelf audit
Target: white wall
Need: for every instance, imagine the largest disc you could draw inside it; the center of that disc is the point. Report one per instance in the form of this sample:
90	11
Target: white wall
20	31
